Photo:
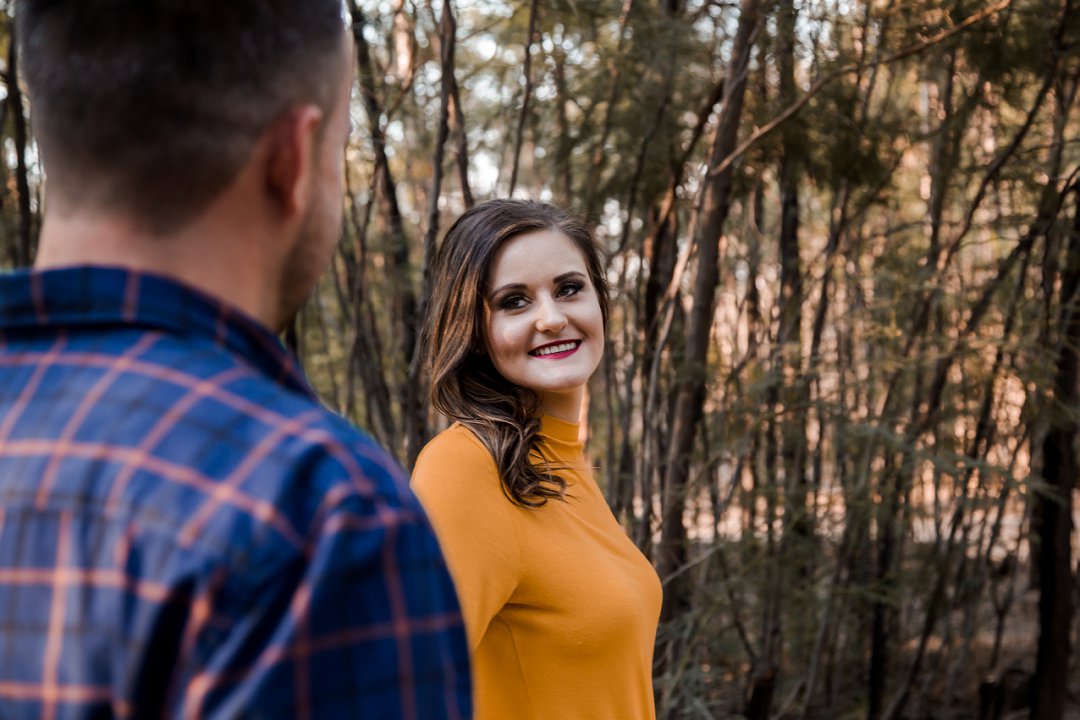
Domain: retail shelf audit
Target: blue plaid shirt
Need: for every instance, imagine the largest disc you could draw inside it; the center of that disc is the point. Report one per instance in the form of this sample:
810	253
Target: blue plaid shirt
185	531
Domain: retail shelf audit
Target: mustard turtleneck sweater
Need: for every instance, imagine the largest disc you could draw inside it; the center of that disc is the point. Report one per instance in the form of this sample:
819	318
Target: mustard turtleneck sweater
560	606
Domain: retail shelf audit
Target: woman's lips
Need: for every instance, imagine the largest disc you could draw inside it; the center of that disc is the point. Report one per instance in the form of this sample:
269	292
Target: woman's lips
556	350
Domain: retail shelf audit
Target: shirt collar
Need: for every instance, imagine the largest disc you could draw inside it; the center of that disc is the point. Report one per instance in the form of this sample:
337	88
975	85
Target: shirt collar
102	296
560	430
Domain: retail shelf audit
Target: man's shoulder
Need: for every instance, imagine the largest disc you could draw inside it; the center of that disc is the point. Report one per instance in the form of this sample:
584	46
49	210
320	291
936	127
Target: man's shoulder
214	448
282	447
346	454
284	429
221	389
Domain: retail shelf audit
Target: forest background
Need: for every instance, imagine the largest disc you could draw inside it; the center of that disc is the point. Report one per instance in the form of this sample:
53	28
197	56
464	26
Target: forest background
839	406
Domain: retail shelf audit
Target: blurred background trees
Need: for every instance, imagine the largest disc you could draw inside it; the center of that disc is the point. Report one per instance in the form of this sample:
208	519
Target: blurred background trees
839	406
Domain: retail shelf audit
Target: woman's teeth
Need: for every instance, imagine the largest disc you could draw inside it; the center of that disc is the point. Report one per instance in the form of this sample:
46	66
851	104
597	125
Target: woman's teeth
553	349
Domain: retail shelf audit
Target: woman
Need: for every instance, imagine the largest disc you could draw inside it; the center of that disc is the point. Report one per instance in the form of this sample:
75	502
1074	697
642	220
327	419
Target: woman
560	607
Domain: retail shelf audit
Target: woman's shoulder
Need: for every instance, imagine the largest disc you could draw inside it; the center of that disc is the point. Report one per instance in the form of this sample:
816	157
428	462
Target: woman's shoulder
454	457
458	442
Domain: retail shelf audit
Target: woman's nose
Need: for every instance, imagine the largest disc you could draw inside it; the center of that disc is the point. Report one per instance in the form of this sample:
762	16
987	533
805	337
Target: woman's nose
549	316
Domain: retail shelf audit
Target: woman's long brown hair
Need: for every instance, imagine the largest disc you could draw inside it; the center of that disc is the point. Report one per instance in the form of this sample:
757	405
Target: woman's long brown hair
465	386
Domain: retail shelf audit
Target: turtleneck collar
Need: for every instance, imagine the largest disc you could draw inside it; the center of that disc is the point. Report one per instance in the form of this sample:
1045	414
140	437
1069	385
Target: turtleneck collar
558	430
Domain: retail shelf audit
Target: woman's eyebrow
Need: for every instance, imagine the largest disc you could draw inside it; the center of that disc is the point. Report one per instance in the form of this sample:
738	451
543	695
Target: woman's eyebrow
503	288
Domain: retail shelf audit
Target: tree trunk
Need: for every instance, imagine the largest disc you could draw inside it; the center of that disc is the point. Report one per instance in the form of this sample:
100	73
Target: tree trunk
593	188
457	123
713	210
415	439
526	96
413	407
1060	471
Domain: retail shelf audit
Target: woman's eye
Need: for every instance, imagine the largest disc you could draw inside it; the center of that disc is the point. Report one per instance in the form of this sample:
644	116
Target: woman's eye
570	288
512	302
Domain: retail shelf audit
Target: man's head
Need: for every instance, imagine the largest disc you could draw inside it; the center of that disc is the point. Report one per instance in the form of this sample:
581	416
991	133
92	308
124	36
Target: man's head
150	109
199	139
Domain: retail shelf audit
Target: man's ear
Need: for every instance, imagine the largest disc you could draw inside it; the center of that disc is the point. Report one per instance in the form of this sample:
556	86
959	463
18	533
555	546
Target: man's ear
290	162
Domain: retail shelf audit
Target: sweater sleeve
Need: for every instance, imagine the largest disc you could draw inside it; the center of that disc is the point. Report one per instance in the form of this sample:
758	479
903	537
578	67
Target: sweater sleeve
458	484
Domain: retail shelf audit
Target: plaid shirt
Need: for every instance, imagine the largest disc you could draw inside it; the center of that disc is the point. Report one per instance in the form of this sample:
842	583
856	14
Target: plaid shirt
185	531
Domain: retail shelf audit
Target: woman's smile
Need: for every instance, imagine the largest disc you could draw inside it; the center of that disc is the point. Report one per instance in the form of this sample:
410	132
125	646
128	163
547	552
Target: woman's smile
556	350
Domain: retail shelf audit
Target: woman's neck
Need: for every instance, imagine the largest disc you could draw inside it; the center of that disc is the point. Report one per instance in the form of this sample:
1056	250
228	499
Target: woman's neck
563	405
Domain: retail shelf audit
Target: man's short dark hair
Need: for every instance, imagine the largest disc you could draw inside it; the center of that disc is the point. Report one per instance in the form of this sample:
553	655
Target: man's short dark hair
151	107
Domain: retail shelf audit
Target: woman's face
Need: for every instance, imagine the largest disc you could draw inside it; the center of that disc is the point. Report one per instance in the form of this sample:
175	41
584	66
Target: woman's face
543	327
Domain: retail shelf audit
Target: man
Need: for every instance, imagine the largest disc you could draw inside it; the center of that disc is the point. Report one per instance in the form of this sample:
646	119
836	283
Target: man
184	530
